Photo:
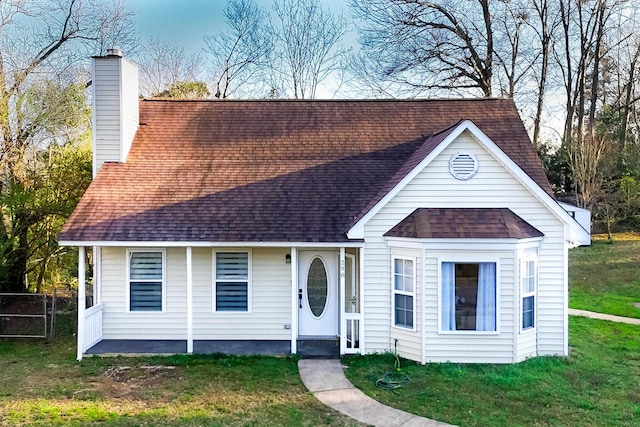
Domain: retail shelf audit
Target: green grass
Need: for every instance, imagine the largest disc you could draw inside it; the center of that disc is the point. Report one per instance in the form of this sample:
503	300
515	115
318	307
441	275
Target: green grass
42	384
605	277
596	386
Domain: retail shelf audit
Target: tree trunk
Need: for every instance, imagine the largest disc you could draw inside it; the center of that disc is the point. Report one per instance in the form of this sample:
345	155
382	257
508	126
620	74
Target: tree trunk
545	41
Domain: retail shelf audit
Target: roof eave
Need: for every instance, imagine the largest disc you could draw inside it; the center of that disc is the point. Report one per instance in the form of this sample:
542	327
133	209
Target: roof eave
195	244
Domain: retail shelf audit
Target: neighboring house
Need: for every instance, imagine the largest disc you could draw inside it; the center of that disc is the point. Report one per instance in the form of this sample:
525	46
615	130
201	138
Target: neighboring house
425	227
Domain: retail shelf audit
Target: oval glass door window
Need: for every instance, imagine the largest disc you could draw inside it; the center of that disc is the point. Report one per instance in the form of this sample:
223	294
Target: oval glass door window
317	287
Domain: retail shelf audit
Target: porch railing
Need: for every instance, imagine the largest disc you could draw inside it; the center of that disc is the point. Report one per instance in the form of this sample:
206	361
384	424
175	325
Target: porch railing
92	326
351	343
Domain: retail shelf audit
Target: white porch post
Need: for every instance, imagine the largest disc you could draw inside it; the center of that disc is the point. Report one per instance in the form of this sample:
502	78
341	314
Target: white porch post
362	301
189	300
294	300
342	290
82	301
97	275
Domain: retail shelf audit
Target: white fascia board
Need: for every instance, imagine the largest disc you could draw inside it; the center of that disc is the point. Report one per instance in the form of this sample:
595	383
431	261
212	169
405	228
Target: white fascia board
460	244
357	231
157	244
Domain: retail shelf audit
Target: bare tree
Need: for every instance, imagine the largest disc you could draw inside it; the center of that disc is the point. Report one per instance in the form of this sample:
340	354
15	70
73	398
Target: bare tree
544	23
309	44
240	53
42	47
584	156
433	46
164	64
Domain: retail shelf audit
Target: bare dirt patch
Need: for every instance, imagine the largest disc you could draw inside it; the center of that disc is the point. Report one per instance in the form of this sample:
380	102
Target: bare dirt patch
132	381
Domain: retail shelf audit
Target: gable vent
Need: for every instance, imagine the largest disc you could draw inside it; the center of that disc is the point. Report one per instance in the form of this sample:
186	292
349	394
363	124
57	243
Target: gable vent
463	165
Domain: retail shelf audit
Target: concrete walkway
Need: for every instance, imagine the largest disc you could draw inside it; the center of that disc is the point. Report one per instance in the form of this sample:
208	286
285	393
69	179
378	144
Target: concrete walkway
326	380
602	316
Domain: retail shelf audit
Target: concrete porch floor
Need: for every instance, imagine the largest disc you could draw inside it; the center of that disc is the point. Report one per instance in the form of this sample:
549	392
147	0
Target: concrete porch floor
149	347
314	348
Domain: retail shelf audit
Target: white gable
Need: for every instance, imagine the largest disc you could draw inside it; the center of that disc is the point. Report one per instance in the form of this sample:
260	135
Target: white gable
475	140
496	183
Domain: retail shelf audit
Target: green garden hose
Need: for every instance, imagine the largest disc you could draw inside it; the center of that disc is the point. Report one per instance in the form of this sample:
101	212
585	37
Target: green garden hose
392	380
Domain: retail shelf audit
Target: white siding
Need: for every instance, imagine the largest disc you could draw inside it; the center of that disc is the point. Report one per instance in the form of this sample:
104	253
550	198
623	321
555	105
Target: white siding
106	111
130	105
115	109
271	299
121	324
493	186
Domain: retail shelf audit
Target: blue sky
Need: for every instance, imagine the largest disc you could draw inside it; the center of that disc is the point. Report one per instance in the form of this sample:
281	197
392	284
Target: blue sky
185	22
181	22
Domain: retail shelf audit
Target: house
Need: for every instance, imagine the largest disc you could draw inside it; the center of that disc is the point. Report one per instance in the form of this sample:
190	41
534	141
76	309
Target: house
425	227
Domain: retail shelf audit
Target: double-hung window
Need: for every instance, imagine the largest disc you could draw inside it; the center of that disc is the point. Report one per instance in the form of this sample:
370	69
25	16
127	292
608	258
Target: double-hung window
404	273
146	280
528	292
468	296
232	281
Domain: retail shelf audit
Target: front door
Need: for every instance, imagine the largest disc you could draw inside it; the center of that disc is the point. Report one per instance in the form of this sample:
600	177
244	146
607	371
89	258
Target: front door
318	293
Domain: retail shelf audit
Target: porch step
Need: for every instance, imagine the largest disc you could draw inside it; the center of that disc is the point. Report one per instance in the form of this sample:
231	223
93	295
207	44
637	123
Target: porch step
312	348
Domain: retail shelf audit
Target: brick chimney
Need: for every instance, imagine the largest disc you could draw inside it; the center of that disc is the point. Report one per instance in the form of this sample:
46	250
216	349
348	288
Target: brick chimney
115	107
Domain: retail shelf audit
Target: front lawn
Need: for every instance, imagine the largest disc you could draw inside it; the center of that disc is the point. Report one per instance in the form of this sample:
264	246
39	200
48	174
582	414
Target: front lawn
596	386
42	384
605	277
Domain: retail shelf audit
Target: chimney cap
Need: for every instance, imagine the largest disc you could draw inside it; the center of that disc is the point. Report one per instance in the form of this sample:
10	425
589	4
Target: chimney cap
114	52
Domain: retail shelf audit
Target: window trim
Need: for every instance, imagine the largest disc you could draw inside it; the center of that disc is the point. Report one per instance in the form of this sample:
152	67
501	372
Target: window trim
130	251
529	257
395	291
472	259
249	281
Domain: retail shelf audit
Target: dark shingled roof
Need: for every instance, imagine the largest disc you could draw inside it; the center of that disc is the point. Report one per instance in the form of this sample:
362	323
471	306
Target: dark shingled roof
303	171
464	223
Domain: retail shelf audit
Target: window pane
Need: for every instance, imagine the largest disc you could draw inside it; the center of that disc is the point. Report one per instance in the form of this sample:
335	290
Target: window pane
231	296
475	298
531	268
317	288
399	283
528	277
531	284
466	293
145	266
404	310
397	267
145	296
408	275
527	312
232	265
